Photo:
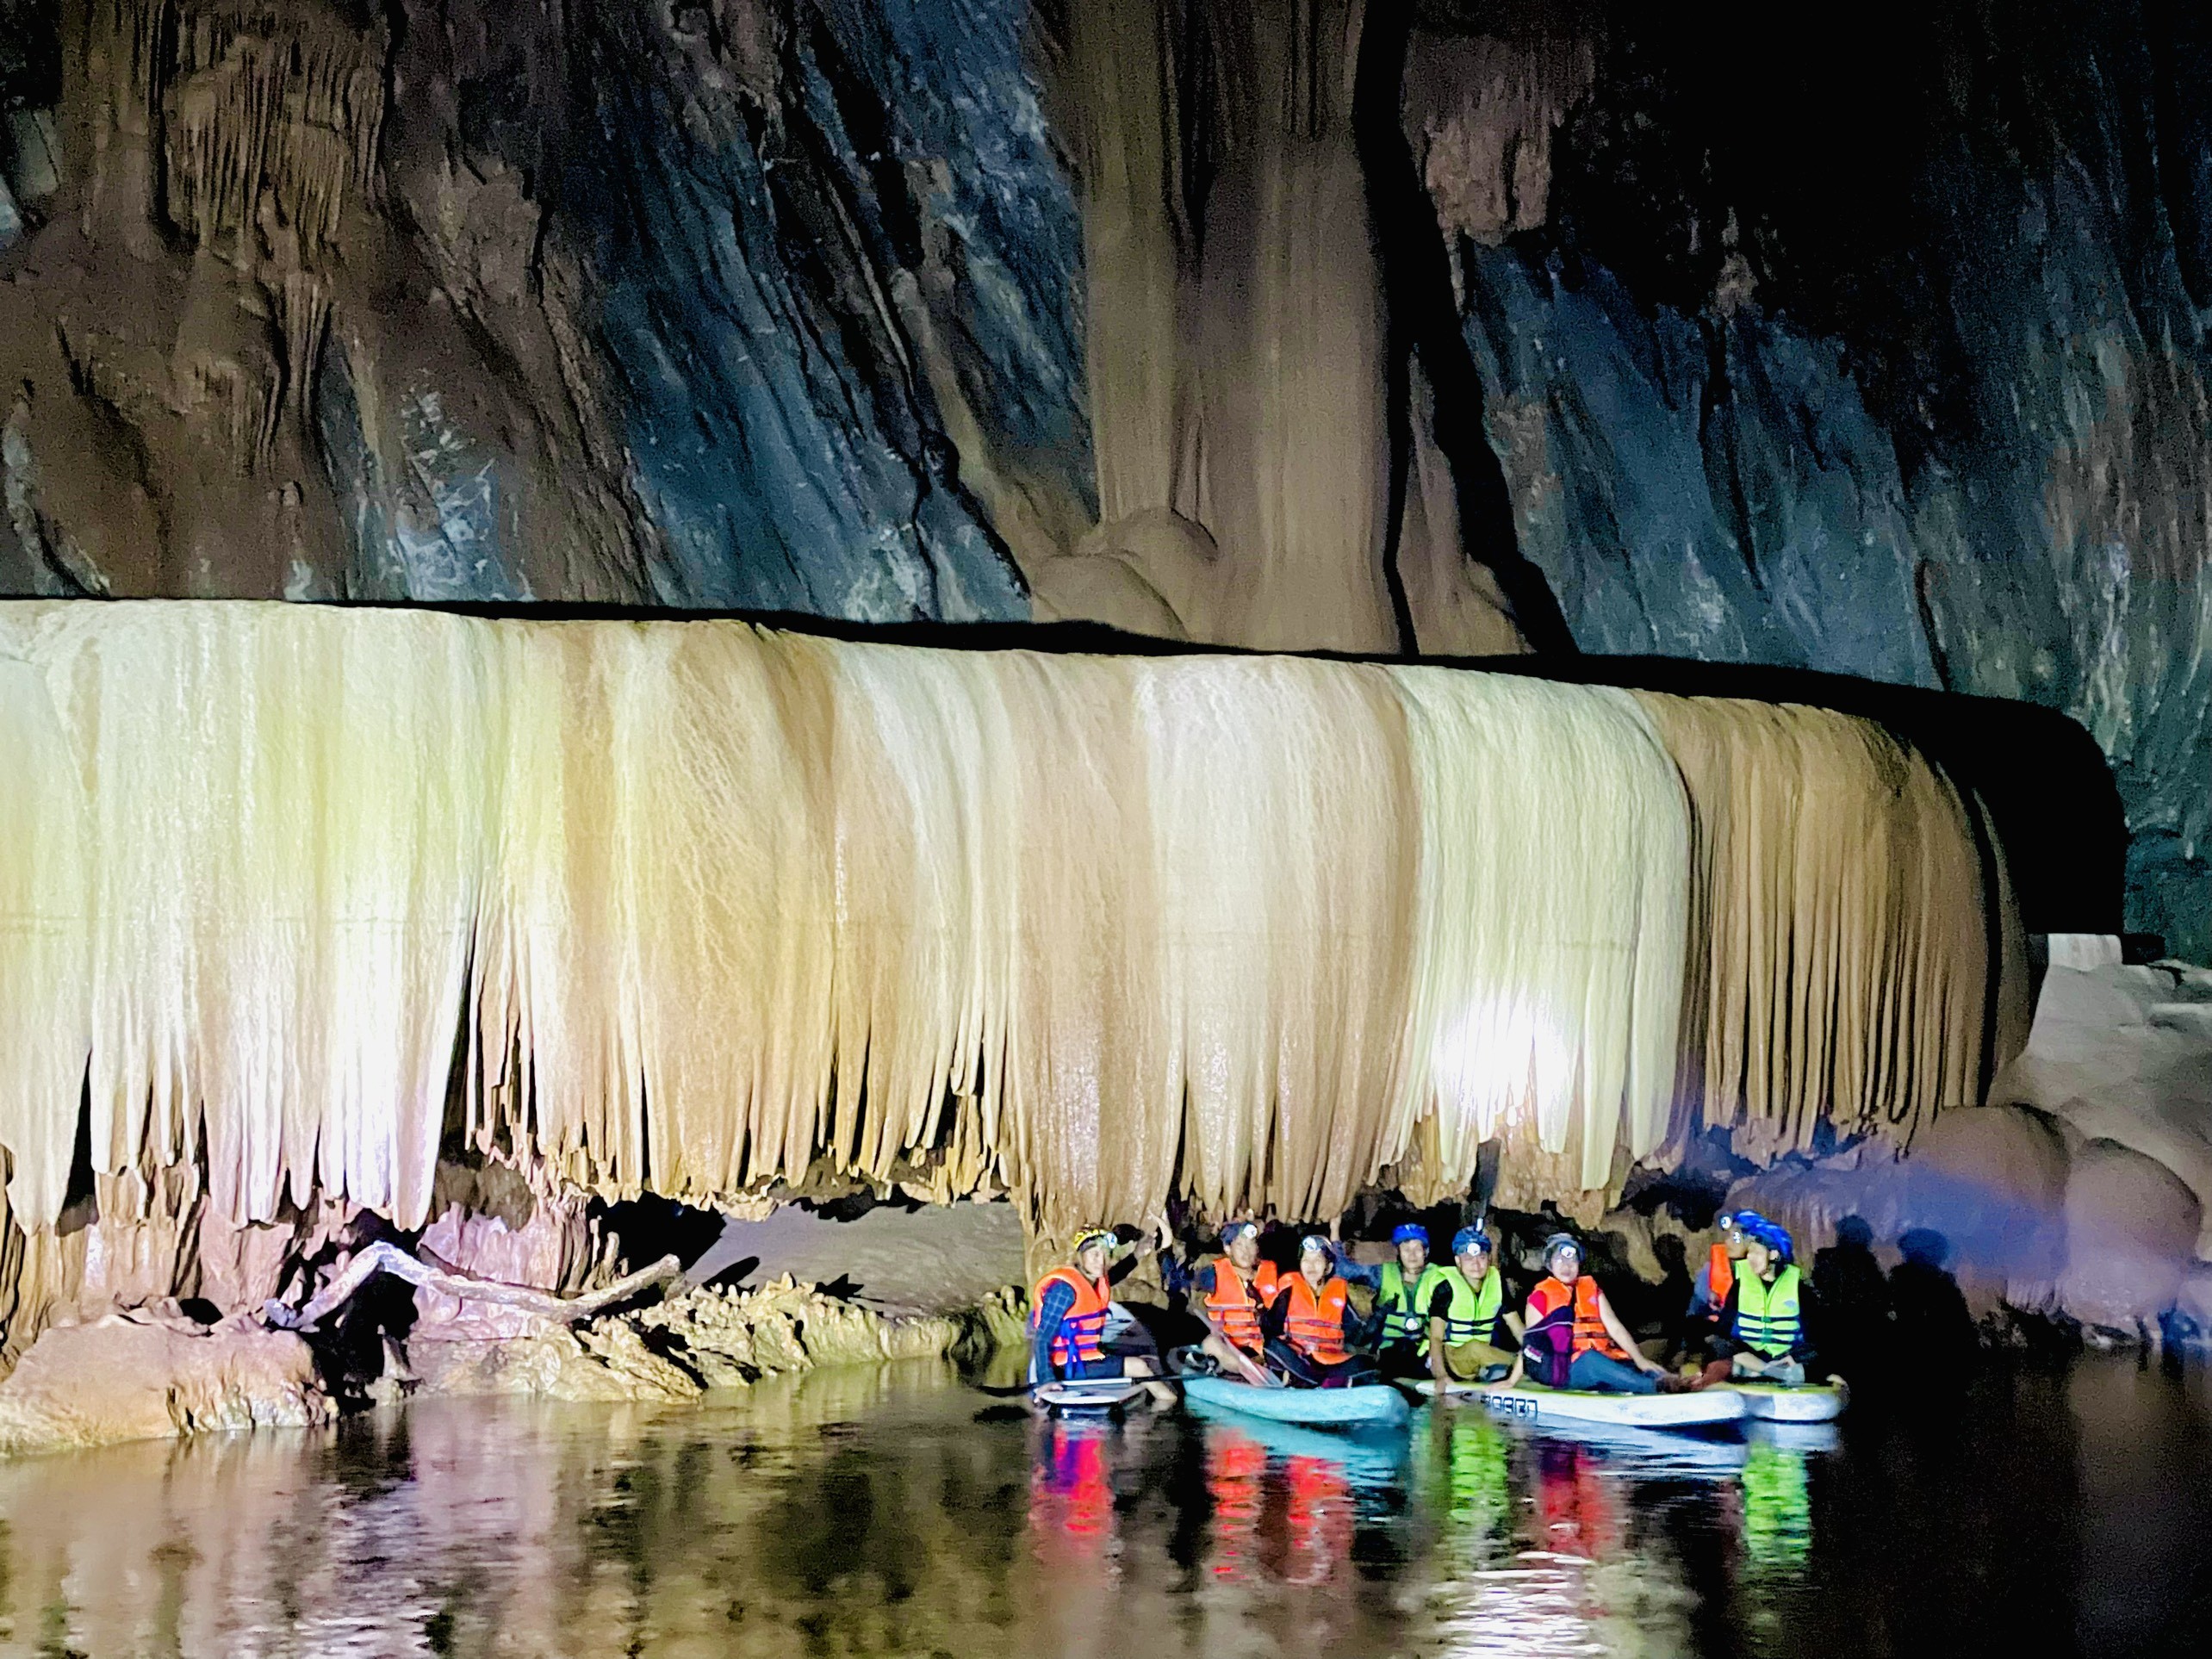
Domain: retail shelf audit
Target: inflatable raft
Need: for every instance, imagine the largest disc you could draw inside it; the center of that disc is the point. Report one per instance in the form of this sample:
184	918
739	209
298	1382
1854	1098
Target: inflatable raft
1812	1402
1707	1408
1373	1406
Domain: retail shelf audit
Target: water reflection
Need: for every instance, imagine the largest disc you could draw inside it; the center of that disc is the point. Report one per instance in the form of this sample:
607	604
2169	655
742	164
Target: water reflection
871	1512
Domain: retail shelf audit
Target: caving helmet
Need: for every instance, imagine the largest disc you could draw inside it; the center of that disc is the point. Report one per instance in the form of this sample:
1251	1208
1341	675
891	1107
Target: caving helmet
1319	1242
1776	1238
1559	1241
1471	1240
1094	1235
1233	1231
1406	1230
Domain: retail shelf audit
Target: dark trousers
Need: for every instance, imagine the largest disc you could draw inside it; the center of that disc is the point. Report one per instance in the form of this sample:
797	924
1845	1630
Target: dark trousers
1305	1371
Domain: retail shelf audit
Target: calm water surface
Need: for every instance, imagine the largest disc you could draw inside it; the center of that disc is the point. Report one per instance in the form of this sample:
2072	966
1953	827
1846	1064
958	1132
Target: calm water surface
871	1512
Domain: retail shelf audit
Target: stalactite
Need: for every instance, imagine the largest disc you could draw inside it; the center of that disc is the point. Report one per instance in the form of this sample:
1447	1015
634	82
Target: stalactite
1235	333
702	907
1843	976
1548	982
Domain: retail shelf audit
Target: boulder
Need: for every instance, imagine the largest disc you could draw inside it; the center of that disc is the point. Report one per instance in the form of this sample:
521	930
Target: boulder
2125	1055
2131	1230
144	1375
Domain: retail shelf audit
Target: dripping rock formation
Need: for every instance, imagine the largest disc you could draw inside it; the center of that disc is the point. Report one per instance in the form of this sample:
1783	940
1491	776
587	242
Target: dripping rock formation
1808	435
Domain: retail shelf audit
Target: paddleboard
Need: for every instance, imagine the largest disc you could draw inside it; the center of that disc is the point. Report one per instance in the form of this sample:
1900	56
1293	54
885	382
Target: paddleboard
1794	1436
1372	1406
1371	1460
1530	1403
1813	1402
1101	1394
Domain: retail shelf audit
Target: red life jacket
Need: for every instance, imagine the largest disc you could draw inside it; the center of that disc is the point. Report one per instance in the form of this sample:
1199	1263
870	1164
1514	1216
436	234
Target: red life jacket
1720	1277
1234	1306
1590	1332
1084	1324
1313	1323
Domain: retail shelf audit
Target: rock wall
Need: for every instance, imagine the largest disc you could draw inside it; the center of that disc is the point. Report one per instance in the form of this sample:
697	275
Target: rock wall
1872	344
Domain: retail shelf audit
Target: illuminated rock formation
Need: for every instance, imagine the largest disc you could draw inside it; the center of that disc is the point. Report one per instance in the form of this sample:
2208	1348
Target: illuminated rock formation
707	907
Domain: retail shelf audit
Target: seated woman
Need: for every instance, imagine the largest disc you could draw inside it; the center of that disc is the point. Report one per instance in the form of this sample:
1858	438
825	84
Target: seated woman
1231	1291
1765	1314
1574	1340
1310	1329
1068	1315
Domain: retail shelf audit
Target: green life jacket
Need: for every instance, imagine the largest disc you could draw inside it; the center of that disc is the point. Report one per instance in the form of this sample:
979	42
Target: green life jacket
1472	1317
1405	1314
1768	1319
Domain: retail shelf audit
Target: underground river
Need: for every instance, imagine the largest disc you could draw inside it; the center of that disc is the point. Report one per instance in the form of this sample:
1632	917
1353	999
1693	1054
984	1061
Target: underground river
895	1510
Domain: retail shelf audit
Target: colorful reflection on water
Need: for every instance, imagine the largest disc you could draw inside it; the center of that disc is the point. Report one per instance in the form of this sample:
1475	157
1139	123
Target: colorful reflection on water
895	1511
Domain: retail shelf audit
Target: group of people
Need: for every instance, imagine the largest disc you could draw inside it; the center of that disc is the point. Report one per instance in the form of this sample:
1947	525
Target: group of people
1447	1322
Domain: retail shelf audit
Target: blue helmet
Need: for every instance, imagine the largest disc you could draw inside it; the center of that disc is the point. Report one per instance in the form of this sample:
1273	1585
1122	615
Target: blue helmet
1317	1241
1470	1241
1233	1231
1774	1237
1406	1230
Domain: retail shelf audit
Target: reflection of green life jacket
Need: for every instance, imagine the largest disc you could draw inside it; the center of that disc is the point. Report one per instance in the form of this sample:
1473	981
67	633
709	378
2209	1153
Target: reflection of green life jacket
1768	1319
1777	1508
1472	1316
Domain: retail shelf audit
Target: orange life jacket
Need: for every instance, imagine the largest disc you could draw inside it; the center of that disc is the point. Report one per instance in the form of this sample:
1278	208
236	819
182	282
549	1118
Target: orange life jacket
1313	1323
1085	1326
1590	1332
1720	1277
1234	1305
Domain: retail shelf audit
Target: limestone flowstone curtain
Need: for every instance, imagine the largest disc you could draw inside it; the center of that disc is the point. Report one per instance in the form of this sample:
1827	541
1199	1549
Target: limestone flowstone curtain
697	906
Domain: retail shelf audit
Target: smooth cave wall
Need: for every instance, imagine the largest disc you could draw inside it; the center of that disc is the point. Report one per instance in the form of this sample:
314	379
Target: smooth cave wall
1868	346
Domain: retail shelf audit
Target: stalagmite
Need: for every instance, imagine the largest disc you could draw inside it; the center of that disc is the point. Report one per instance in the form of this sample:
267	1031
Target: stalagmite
696	907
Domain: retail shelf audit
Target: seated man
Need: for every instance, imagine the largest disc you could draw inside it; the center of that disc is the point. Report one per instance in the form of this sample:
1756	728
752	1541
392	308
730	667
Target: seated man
1231	1291
1310	1328
1404	1287
1765	1310
1574	1340
1068	1313
1464	1312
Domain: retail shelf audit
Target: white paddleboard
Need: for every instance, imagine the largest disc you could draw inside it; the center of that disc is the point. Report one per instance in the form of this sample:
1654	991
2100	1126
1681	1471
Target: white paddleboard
1812	1402
1532	1404
1095	1394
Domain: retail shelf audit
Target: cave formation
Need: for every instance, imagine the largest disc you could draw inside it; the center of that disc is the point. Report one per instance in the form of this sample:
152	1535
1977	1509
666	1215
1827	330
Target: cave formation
1823	436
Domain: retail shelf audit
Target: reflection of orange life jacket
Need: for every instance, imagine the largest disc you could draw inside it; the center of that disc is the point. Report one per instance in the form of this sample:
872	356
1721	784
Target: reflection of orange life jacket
1315	1323
1080	1333
1590	1332
1720	1277
1235	1468
1234	1305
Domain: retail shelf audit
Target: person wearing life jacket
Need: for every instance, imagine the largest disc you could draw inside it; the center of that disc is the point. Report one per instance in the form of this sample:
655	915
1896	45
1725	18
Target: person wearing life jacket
1717	1277
1572	1339
1766	1309
1230	1291
1311	1330
1069	1312
1404	1287
1464	1312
